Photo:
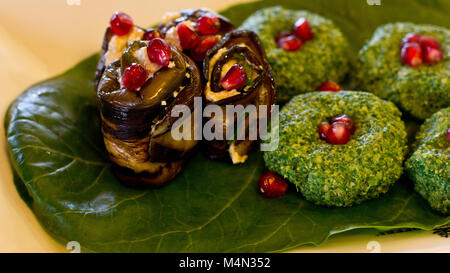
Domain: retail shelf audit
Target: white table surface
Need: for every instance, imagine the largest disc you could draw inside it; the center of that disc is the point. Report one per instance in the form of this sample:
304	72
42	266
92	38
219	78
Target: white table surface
40	39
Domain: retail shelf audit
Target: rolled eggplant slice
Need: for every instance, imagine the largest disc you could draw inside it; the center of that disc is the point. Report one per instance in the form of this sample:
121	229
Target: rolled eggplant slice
136	125
239	47
113	46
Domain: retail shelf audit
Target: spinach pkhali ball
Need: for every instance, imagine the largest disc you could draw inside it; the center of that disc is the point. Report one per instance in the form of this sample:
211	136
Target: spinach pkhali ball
304	49
428	166
334	173
409	65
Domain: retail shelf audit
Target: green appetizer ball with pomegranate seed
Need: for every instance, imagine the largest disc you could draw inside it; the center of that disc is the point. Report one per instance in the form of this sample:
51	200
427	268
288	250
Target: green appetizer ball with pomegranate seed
338	148
304	49
428	166
409	65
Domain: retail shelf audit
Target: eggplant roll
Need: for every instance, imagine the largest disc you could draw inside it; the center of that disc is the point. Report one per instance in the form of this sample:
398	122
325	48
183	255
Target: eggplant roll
242	48
136	124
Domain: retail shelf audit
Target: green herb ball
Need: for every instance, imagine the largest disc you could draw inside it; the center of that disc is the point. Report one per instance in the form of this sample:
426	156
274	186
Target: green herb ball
419	91
323	58
339	175
428	166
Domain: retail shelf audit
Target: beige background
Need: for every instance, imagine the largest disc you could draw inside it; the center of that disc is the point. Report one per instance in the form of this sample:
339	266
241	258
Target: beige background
39	39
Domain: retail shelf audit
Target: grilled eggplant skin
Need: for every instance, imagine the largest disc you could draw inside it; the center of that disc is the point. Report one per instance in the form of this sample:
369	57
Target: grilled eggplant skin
136	125
162	146
102	62
261	91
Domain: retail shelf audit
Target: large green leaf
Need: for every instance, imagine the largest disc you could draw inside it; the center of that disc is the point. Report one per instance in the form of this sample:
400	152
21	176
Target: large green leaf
63	173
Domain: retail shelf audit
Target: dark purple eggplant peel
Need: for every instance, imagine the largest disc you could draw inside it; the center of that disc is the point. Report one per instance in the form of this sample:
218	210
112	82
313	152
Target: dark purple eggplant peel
243	47
136	125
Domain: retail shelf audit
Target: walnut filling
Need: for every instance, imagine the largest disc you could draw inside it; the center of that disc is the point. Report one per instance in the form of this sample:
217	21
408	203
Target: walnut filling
172	38
118	44
142	58
236	158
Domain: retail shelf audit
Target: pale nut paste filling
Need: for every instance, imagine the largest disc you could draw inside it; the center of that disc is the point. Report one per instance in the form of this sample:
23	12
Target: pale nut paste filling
236	158
118	44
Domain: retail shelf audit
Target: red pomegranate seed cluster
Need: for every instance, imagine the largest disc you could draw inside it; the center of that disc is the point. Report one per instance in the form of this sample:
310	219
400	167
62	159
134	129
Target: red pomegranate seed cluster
418	49
188	37
134	77
339	132
290	43
201	38
303	30
208	24
121	23
293	41
329	86
271	185
235	78
159	52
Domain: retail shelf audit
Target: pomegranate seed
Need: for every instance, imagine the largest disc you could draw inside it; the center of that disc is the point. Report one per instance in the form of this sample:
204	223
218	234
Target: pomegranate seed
412	54
290	43
432	55
121	23
188	38
134	77
347	121
428	41
410	38
338	134
329	86
159	52
448	133
235	78
323	130
272	185
151	34
206	43
208	24
302	30
283	34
